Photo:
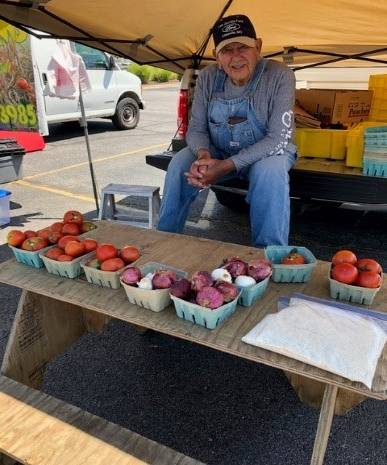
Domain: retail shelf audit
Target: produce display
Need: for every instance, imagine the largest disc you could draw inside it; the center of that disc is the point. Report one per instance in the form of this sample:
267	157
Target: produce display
347	269
159	279
110	258
291	264
73	224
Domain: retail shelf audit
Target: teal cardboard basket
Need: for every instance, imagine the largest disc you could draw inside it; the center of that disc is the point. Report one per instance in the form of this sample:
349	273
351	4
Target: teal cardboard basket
351	293
248	295
29	258
70	269
290	273
203	316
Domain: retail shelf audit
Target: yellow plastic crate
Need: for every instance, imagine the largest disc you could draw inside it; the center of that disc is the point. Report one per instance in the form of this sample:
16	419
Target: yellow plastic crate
321	143
355	142
378	84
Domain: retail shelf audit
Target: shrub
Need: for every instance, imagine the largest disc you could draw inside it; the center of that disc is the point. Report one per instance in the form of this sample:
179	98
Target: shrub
144	72
149	73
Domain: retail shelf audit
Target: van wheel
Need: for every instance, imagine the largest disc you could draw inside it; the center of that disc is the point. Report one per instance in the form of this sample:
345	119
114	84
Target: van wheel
127	114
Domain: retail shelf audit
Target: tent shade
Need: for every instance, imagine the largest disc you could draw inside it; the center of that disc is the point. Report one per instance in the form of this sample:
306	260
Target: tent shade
175	34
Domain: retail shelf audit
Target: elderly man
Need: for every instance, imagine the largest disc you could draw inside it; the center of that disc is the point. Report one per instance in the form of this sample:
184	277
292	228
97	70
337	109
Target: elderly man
241	126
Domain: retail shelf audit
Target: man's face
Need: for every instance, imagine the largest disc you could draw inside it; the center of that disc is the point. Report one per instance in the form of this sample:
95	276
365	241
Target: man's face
238	61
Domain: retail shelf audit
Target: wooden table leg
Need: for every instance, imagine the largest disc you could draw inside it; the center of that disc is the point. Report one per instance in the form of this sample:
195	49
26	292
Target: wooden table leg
42	329
324	424
311	393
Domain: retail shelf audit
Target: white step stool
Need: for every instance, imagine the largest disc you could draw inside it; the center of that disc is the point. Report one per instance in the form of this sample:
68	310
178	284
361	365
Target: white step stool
108	207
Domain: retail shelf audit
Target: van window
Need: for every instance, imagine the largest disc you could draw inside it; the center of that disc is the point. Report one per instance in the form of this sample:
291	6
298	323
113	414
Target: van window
94	59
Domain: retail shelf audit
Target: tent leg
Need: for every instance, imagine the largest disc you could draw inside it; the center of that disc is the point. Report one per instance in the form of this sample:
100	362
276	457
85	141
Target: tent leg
85	129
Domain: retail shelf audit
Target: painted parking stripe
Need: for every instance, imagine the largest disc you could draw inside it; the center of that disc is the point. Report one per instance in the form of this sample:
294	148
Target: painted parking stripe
98	160
41	187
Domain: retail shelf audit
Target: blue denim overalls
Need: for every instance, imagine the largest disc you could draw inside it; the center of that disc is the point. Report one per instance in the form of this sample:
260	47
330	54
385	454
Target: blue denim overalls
268	193
231	138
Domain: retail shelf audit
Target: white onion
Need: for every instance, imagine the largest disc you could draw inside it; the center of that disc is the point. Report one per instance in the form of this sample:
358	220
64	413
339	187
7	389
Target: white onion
220	274
145	283
244	281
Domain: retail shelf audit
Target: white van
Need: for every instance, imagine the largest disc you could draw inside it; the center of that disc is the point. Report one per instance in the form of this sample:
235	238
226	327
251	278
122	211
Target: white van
114	93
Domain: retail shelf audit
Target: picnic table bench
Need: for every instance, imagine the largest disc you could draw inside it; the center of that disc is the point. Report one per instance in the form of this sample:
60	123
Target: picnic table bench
54	312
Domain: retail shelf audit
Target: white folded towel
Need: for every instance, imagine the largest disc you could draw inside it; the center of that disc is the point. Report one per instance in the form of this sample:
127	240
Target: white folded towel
335	340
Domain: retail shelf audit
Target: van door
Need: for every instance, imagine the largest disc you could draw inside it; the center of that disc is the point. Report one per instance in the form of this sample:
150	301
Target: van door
56	109
102	96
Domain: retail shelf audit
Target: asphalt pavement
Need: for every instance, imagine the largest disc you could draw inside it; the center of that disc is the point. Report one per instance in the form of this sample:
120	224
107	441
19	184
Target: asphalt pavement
211	406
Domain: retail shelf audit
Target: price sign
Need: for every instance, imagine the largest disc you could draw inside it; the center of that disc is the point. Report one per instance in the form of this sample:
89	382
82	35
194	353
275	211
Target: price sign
17	90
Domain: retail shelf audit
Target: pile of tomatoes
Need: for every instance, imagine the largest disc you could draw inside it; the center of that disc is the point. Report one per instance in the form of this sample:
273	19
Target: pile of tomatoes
72	225
110	258
347	269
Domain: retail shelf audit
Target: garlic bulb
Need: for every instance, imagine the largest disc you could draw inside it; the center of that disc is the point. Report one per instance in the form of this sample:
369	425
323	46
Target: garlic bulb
145	283
220	274
244	281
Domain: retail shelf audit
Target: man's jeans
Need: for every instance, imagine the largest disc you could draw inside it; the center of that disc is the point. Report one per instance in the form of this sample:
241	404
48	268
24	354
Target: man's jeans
268	196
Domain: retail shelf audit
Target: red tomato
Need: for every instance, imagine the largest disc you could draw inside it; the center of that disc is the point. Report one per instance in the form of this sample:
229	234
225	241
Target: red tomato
75	248
112	264
73	216
87	226
293	258
90	245
345	273
57	227
15	237
106	251
45	232
70	228
54	237
368	279
65	258
63	240
368	264
34	243
129	254
30	233
54	253
344	256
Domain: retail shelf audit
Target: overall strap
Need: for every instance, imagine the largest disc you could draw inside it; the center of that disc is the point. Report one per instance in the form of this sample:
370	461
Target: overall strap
259	69
220	80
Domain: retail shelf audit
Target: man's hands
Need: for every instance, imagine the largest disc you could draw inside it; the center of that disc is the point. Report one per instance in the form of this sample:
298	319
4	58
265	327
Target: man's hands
206	170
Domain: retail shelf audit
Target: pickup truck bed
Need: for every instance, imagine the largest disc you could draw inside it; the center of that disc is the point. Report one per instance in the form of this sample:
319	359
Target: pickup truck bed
311	178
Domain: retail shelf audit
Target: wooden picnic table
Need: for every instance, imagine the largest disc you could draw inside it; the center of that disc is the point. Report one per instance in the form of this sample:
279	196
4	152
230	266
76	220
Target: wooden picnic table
54	312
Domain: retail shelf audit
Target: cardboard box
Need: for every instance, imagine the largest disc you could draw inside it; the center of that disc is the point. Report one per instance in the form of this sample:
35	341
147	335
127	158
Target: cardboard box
346	107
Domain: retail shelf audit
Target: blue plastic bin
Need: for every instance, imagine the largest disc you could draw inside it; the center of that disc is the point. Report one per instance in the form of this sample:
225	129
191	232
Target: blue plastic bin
290	273
4	207
374	167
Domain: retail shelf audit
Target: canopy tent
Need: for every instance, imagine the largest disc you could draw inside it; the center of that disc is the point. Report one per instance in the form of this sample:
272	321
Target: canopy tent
176	34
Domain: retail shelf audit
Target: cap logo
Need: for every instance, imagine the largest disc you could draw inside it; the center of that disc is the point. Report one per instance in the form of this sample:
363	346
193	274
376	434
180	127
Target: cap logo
231	28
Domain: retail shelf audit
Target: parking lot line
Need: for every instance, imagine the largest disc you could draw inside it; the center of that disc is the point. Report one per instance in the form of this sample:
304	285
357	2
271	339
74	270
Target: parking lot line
98	160
85	198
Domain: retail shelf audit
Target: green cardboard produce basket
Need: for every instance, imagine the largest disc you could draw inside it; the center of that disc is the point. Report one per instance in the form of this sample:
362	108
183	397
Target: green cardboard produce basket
290	273
203	316
64	269
151	299
28	257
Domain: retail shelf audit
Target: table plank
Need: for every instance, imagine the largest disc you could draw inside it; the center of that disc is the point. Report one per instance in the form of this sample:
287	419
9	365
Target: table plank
191	254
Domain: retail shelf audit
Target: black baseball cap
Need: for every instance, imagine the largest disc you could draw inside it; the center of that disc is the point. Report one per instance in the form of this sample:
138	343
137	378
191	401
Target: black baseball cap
235	28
